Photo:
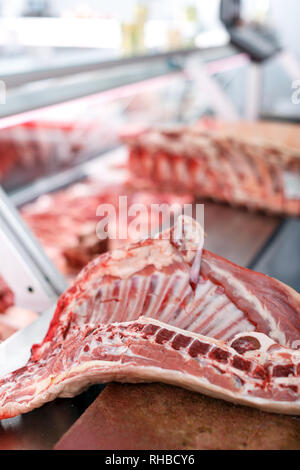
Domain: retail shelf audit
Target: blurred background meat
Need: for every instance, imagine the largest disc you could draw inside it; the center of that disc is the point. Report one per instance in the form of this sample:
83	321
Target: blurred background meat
6	296
65	222
256	165
12	318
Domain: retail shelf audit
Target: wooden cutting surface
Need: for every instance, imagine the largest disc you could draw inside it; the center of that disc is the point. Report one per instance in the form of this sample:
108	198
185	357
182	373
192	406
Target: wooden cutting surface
282	135
157	416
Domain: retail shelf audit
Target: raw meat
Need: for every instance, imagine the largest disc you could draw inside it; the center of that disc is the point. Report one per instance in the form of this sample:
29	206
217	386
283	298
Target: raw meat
65	222
12	318
166	310
256	165
40	146
7	298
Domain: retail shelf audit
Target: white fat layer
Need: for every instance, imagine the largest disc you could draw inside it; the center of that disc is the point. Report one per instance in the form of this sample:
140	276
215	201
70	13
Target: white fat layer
159	255
68	385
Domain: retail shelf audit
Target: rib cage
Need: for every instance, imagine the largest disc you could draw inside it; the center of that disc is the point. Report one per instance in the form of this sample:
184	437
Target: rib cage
221	164
97	333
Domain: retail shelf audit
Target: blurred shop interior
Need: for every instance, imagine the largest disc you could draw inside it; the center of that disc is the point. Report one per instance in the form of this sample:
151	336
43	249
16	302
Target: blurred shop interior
55	52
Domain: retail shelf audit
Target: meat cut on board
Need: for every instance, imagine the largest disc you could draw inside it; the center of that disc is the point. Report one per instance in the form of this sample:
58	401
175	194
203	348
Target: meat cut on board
167	310
256	165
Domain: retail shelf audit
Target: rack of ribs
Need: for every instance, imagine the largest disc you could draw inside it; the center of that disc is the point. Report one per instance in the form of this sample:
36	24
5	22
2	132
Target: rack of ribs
256	165
165	309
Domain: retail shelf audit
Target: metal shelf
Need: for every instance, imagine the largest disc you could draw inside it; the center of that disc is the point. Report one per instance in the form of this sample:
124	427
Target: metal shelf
91	61
47	86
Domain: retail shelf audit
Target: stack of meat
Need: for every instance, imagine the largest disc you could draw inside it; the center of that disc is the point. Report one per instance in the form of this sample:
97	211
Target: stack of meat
39	146
256	165
65	223
12	318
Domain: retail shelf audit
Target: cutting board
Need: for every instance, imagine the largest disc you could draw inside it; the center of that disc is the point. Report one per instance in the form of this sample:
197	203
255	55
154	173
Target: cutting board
158	416
281	135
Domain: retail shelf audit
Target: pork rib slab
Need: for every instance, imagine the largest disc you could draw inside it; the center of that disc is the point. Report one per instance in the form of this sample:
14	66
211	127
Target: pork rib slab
153	278
253	165
266	377
159	279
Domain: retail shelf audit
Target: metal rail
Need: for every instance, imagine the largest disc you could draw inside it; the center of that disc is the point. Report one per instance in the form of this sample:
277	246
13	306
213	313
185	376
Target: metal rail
25	266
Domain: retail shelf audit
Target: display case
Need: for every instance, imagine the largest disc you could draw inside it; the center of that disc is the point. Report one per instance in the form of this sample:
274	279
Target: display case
58	135
49	126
